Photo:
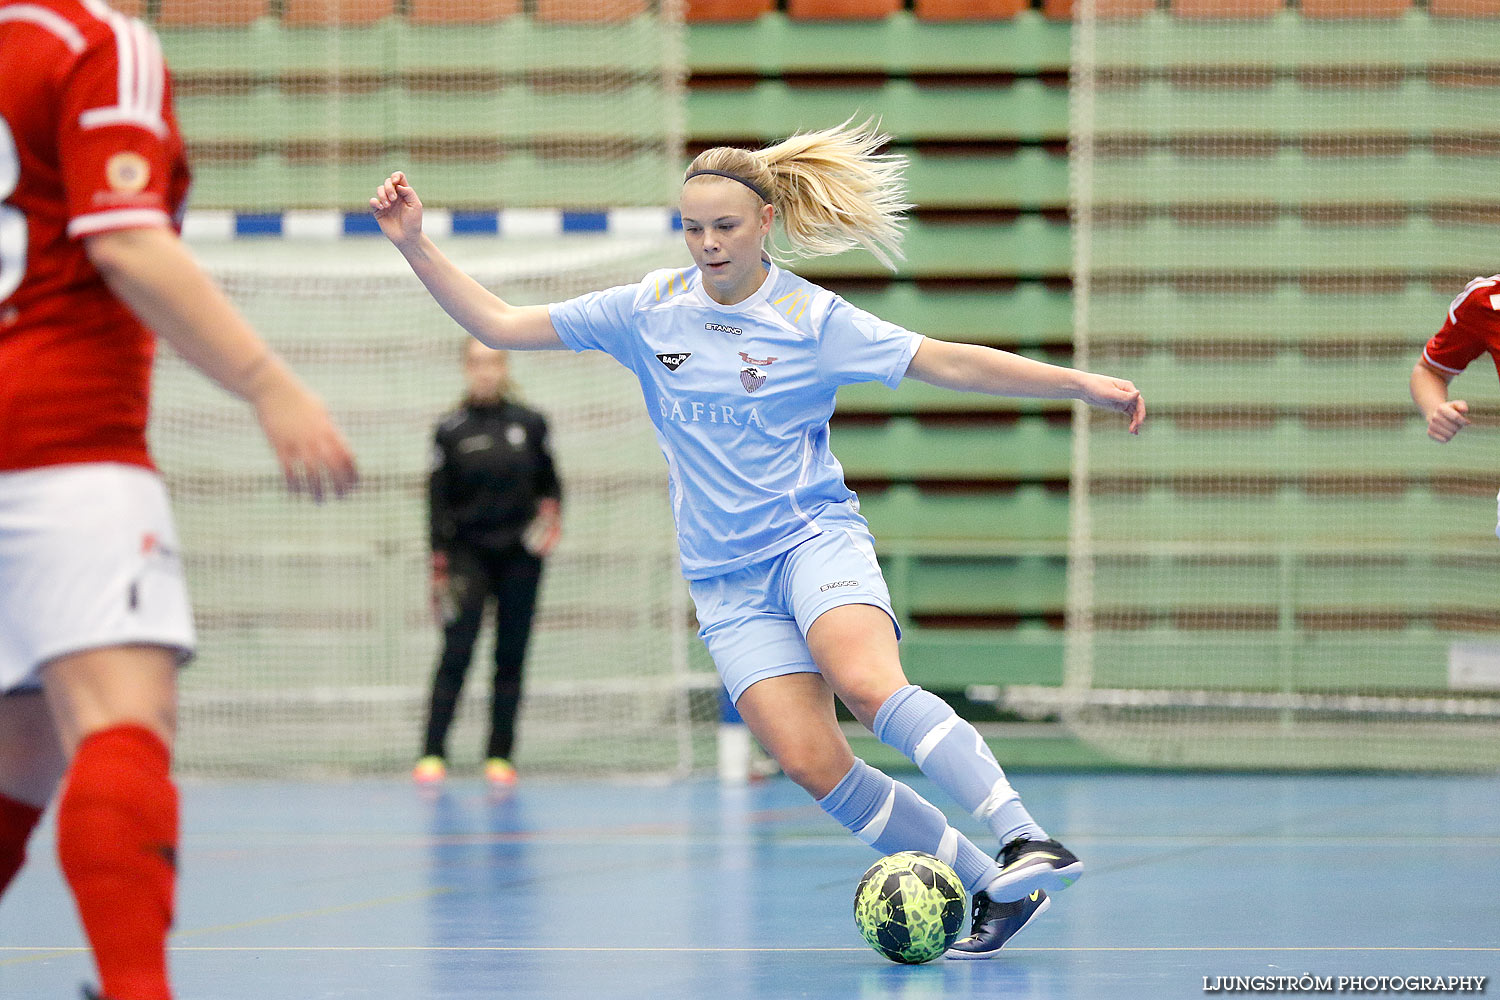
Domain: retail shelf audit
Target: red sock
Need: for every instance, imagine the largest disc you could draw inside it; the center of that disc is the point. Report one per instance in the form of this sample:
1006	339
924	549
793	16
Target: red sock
117	842
17	820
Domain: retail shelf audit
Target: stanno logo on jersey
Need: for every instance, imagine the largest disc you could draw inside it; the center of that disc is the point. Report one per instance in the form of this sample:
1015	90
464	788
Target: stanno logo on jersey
752	378
754	361
721	328
674	361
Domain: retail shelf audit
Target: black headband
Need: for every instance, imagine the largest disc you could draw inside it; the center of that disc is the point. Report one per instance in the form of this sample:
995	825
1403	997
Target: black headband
733	177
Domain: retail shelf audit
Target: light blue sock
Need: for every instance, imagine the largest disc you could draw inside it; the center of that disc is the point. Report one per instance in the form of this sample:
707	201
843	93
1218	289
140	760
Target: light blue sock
951	752
890	817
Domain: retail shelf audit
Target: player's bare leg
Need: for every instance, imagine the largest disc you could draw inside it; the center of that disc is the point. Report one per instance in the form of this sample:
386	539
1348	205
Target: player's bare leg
31	765
793	718
115	712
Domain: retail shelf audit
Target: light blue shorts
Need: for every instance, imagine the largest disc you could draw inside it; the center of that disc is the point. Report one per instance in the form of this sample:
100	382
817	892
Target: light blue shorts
755	620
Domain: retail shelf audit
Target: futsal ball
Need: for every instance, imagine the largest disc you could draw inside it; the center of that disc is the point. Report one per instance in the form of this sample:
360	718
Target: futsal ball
909	907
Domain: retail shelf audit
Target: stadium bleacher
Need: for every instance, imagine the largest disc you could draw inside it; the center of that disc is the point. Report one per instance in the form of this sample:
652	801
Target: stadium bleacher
968	497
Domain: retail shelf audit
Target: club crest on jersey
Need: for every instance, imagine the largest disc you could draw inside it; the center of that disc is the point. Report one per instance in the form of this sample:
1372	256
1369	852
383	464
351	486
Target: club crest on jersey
674	361
752	378
755	361
127	173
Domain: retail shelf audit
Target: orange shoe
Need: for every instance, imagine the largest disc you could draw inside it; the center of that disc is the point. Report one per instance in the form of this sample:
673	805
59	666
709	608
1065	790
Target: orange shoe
499	772
429	771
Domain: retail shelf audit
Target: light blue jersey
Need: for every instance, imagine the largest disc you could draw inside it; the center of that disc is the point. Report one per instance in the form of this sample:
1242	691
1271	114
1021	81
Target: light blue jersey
741	396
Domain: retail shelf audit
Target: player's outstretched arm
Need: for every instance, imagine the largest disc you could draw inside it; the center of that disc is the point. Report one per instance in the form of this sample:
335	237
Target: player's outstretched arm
161	282
1429	390
487	317
972	368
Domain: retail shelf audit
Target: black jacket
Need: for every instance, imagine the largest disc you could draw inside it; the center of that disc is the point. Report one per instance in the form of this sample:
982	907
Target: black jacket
490	466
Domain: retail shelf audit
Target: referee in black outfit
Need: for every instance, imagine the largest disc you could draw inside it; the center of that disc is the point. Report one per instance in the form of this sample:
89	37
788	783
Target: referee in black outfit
495	510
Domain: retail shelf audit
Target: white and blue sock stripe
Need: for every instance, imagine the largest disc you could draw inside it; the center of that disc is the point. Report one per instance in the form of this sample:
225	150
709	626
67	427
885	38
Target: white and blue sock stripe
890	817
951	752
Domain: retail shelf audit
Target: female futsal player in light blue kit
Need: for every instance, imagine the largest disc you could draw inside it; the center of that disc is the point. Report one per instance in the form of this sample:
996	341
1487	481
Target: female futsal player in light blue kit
739	361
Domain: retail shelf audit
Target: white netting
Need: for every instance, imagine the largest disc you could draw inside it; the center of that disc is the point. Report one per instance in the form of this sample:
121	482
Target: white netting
317	646
486	103
317	641
1274	208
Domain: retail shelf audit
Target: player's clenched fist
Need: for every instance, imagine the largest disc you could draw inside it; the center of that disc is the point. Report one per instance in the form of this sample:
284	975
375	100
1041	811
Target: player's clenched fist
398	210
1447	420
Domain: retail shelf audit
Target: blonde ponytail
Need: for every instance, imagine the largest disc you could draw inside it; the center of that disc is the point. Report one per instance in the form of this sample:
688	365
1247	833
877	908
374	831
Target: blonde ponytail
830	188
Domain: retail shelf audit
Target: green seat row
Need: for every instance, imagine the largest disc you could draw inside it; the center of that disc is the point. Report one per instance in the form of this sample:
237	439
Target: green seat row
1028	179
1299	583
1288	107
1033	313
1291	177
1024	313
1290	245
903	449
1290	517
942	659
1026	247
515	45
987	585
1286	448
1025	109
1289	379
1407	310
1288	41
900	44
906	517
919	397
274	182
1268	660
395	114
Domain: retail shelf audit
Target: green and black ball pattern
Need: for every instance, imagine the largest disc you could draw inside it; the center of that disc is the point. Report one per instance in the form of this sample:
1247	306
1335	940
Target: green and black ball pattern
909	907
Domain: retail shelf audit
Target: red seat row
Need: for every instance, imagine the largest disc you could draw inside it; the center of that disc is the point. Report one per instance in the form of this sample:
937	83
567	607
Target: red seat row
321	13
975	10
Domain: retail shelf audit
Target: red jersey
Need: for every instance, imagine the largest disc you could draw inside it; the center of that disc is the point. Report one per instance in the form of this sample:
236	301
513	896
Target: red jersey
1471	329
88	143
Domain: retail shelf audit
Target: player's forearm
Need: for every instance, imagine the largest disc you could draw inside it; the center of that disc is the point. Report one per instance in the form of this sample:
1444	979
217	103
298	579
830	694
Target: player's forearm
488	318
973	368
152	272
472	306
1429	390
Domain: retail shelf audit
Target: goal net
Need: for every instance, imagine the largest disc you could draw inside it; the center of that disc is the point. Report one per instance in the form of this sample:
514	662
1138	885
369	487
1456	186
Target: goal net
1274	206
317	642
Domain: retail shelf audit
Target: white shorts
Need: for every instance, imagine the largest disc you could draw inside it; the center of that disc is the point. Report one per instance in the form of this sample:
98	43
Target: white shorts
88	558
755	620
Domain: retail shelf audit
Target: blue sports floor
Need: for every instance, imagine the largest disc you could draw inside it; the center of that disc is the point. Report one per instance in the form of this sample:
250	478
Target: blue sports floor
689	891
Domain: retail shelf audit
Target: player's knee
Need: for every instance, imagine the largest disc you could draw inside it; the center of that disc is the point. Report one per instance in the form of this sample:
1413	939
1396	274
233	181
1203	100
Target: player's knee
865	696
812	768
